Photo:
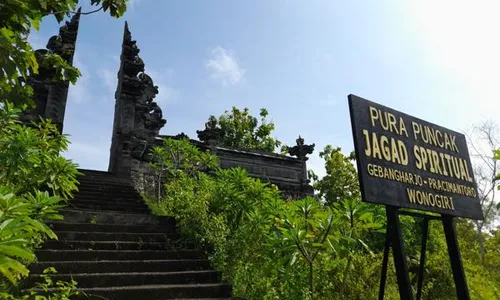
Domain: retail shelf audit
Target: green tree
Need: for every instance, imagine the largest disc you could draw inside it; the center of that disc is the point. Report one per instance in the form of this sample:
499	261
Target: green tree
240	130
305	229
34	181
341	179
177	158
266	247
483	141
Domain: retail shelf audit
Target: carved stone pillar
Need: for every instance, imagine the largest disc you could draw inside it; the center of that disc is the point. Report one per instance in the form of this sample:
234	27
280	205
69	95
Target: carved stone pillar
301	150
138	119
51	97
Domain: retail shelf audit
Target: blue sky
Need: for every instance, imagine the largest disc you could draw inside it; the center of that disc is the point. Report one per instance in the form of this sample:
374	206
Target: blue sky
437	60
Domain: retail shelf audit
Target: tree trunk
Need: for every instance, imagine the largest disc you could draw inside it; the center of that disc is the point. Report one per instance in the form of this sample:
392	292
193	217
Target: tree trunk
344	277
480	240
311	282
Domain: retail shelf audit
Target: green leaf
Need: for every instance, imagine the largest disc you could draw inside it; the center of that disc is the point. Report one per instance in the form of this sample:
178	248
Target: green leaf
10	268
43	4
17	251
36	23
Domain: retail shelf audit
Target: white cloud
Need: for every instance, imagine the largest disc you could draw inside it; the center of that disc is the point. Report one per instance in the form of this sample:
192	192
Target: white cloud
132	4
329	101
109	79
88	156
166	93
461	39
79	92
328	58
316	164
36	40
223	67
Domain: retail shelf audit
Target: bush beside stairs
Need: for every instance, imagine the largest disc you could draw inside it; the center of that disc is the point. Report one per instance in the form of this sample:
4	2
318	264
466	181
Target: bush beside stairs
115	249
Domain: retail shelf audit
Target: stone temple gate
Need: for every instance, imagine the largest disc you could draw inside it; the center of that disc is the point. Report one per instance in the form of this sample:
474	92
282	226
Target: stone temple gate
138	120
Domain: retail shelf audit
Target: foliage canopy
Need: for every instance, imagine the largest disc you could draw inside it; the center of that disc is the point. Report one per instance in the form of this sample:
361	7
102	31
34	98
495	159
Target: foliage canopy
35	180
326	247
238	129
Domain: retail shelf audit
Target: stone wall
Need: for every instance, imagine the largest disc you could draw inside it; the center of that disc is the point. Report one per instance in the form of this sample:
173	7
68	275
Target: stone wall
286	172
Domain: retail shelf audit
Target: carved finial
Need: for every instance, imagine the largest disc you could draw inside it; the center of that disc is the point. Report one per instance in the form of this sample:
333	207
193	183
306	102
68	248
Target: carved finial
211	134
127	36
75	20
181	136
132	64
300	141
301	150
64	43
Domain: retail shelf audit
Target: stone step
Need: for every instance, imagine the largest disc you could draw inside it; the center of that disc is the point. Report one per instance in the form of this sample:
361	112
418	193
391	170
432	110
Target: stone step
114	245
106	180
100	255
115	249
109	207
153	292
97	186
97	176
135	278
115	266
109	202
110	196
89	171
130	228
114	217
117	236
107	199
125	204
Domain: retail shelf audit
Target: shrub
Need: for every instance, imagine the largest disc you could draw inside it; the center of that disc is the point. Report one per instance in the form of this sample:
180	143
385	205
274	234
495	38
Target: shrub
35	180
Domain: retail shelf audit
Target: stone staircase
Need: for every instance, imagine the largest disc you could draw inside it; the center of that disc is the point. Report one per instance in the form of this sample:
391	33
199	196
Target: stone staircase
115	249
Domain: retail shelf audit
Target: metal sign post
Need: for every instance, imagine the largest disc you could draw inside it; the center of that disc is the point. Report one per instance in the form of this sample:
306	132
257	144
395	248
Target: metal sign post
398	252
455	257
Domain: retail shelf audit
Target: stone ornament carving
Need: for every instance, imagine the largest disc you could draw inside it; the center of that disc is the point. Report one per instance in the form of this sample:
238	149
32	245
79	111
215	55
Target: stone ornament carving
181	136
150	112
211	134
50	97
138	118
301	150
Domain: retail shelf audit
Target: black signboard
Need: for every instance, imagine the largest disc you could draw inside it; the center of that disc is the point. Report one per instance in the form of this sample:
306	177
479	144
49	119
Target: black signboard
410	163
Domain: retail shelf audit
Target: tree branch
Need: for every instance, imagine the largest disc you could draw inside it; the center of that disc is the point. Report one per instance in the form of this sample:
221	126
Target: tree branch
75	12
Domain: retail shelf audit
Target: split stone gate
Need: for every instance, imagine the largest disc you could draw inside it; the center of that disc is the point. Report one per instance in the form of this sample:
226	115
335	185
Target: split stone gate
138	120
